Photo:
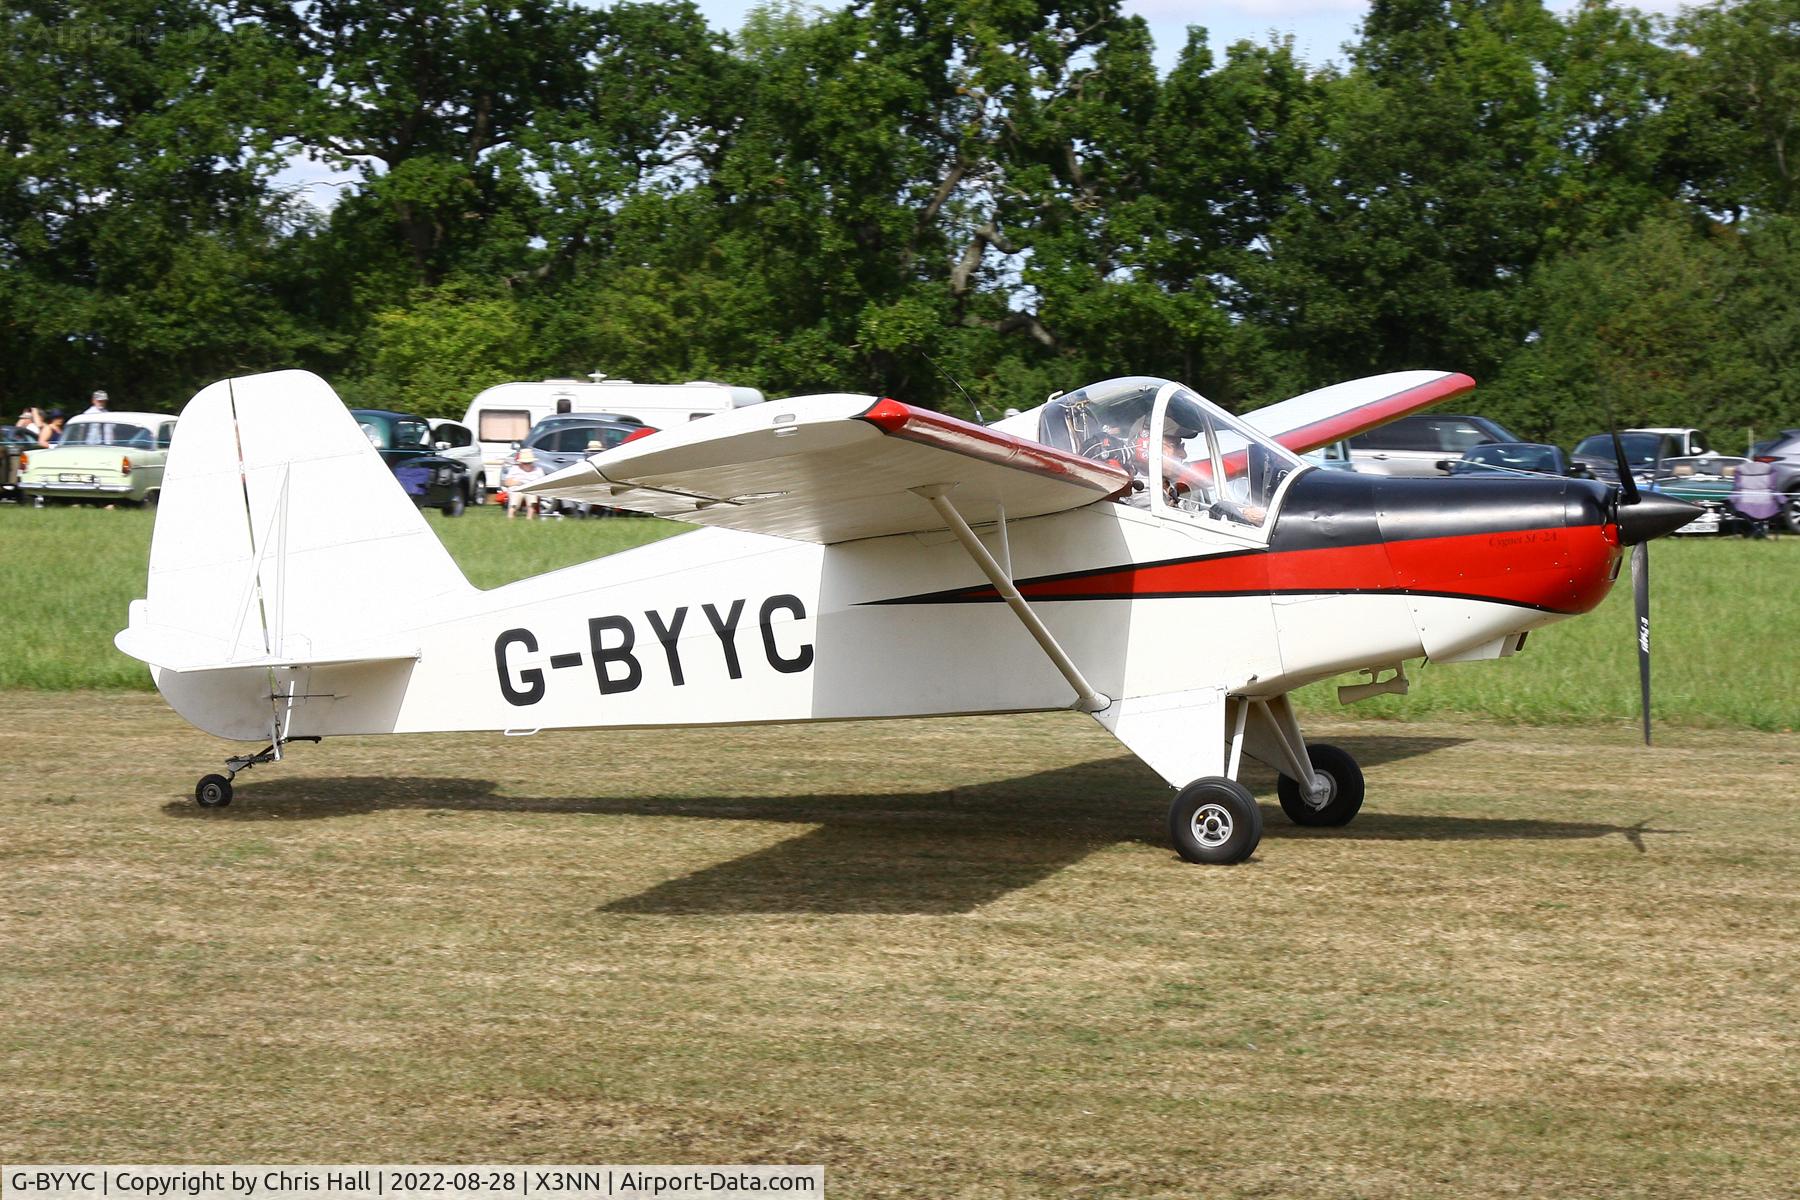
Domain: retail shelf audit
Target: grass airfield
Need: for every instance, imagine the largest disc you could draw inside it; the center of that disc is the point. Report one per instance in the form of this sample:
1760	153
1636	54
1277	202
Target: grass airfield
943	958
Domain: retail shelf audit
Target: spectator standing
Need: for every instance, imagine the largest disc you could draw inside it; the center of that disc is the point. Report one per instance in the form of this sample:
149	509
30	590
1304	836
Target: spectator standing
523	471
96	404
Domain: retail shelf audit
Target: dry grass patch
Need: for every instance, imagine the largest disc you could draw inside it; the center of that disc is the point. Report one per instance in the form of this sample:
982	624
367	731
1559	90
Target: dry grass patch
949	957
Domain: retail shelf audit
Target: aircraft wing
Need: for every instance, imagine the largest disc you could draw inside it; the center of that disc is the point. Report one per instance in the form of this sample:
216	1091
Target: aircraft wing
1346	409
833	468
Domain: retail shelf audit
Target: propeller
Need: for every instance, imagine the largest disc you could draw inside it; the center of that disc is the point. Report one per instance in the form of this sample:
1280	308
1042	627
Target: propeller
1641	518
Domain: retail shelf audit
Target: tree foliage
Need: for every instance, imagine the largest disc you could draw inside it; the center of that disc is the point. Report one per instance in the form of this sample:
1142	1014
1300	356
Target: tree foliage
1592	211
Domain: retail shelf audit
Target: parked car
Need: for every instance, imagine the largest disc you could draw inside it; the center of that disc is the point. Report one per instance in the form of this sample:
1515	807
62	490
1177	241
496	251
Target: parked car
1689	442
15	443
1783	453
453	439
1644	450
405	443
1416	444
1513	458
562	441
111	457
1335	457
1705	480
504	414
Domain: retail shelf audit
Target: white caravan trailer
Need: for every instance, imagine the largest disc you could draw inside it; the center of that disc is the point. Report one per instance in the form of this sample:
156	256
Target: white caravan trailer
501	415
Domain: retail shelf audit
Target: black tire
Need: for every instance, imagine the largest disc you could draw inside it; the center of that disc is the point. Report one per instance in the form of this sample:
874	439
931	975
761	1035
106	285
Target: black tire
1215	821
454	507
1342	802
477	490
1793	507
213	791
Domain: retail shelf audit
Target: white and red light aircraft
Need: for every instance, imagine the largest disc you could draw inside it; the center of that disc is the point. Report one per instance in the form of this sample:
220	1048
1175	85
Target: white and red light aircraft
1129	550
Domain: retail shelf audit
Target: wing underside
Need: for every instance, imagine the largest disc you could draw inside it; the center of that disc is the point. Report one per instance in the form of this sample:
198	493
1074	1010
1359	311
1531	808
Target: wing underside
834	468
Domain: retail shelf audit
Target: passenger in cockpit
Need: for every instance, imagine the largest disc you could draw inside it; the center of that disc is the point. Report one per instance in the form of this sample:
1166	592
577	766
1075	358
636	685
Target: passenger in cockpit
1120	441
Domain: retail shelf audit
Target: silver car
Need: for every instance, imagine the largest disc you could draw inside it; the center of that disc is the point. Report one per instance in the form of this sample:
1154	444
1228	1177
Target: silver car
1783	453
565	439
1417	444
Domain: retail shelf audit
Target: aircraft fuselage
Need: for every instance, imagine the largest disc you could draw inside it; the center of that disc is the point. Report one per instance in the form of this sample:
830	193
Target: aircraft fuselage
722	627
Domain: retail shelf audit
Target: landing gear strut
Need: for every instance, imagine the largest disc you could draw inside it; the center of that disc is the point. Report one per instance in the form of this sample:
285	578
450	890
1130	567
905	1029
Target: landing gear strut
1215	819
214	791
1335	795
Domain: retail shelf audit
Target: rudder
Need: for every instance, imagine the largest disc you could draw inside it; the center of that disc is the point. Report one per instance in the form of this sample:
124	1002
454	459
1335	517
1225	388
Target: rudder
282	538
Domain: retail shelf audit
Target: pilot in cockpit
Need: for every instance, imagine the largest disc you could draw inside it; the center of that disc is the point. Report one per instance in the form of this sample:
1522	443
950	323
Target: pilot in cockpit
1183	486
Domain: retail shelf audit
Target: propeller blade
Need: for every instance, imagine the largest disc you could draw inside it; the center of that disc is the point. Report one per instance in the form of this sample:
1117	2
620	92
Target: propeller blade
1640	598
1628	489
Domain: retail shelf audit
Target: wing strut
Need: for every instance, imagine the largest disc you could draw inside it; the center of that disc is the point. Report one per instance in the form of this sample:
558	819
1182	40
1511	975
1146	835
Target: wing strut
1087	699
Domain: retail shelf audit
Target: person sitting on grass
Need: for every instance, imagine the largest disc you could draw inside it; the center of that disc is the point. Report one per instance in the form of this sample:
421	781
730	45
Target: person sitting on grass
523	471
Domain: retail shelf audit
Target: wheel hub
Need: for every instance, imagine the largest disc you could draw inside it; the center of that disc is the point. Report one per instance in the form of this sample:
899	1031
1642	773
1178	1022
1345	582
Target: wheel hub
1211	825
1322	789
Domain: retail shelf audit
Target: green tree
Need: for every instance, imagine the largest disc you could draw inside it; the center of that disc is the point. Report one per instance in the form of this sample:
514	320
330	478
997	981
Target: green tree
433	354
1671	324
138	235
427	100
1738	93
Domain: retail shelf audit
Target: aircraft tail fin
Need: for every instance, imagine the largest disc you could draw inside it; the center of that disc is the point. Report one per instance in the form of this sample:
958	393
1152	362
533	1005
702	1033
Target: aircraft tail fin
282	539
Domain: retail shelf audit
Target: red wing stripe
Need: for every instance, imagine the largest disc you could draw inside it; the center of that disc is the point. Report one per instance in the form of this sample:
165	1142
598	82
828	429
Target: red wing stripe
1368	416
987	445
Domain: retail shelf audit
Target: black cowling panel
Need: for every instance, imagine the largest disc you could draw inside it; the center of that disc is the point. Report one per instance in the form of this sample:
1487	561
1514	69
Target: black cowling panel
1325	509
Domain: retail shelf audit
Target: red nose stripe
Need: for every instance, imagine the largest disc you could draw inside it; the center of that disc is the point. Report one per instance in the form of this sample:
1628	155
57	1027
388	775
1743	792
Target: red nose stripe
1559	570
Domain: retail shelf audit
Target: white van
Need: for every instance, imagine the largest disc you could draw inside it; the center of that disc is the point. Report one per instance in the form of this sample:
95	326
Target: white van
503	414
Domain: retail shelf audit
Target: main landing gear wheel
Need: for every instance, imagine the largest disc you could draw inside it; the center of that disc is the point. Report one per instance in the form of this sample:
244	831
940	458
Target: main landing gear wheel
1215	820
1337	802
213	791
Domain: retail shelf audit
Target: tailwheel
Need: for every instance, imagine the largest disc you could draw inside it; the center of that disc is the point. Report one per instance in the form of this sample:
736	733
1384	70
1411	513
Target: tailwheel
213	791
1215	820
1336	796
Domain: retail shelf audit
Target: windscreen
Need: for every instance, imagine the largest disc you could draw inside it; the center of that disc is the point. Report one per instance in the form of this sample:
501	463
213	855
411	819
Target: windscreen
1640	448
1209	464
1185	453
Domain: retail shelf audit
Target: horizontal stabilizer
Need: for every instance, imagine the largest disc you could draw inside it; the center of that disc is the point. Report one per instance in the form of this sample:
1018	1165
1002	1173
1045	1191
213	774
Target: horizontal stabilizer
833	469
175	650
1344	410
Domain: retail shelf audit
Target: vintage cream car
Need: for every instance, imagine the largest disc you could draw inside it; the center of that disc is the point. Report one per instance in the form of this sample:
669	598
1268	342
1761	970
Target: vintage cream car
108	457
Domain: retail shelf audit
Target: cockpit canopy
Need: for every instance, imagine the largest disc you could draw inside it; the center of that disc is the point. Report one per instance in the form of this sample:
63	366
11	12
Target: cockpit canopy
1186	453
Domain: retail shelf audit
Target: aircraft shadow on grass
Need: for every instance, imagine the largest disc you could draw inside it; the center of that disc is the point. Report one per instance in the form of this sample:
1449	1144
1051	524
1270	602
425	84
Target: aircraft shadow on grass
939	852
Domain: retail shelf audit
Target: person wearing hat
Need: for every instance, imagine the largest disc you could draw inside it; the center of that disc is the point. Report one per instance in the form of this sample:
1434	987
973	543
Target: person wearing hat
1185	486
96	404
583	508
523	471
50	432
